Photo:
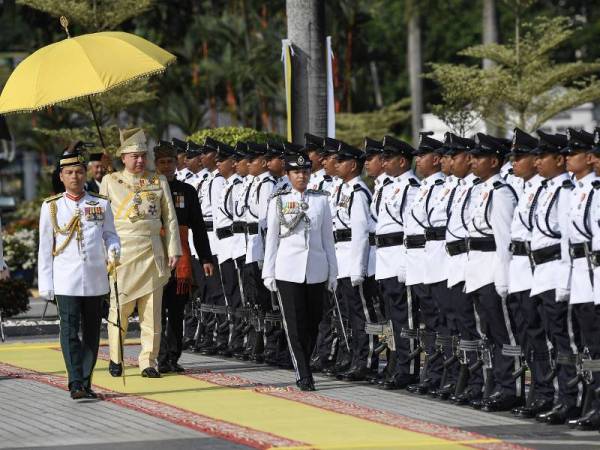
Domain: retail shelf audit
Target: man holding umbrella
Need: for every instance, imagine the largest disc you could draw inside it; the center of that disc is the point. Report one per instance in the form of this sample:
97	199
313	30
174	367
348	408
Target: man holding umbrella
143	208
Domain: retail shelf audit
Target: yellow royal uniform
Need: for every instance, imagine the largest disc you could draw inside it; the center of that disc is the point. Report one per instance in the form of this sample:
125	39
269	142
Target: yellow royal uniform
146	223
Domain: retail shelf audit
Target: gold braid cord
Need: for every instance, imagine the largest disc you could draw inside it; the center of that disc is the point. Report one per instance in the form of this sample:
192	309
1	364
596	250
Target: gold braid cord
74	226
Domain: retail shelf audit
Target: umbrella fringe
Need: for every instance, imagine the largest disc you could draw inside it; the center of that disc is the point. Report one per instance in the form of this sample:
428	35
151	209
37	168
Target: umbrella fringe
94	94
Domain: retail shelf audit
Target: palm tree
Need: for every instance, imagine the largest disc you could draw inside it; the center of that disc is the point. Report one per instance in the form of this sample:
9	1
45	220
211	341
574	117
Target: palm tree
415	67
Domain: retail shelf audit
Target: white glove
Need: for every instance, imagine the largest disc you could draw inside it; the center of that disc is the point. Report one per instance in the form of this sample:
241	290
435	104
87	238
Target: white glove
114	254
332	284
402	276
260	263
502	291
48	295
270	284
357	281
562	295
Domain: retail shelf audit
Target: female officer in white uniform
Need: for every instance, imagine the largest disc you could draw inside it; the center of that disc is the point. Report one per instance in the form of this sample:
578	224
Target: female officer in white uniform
300	261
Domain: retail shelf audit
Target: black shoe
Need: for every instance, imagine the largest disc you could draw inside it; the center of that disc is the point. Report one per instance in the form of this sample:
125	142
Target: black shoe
502	402
223	350
358	374
187	344
444	392
559	414
341	374
90	394
467	396
209	350
258	358
536	407
420	388
397	382
589	421
305	384
116	370
150	372
200	346
175	367
77	391
165	367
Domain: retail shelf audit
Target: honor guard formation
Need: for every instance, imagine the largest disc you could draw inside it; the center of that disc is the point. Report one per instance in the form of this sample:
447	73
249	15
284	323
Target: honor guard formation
450	270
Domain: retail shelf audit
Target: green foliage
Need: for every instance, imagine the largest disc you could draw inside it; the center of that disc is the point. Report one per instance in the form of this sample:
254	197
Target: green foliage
231	135
352	128
526	87
14	297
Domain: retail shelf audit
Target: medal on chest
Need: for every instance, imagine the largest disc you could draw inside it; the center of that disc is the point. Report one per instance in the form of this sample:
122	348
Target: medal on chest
93	213
484	198
179	200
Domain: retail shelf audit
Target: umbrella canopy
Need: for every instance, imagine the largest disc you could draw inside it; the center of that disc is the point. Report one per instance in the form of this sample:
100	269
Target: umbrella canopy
79	67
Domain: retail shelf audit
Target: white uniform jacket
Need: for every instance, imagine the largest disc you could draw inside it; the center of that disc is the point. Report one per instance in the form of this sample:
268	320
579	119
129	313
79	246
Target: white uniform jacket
595	227
415	224
520	274
492	205
580	232
353	219
239	216
551	220
205	189
457	231
304	252
256	203
394	202
182	174
436	257
320	181
222	189
80	269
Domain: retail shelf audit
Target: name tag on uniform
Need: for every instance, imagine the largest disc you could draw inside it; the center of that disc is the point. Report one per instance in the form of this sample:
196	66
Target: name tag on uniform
93	213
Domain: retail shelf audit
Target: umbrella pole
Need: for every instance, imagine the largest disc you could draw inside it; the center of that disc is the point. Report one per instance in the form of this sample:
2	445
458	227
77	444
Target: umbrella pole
96	122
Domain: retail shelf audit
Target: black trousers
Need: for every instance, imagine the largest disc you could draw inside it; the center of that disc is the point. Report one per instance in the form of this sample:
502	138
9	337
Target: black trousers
359	301
588	319
301	310
564	335
327	341
531	336
429	316
80	354
231	334
402	311
447	325
467	324
499	329
173	306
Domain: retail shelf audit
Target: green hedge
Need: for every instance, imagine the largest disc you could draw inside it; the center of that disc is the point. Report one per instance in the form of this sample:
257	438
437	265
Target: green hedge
231	135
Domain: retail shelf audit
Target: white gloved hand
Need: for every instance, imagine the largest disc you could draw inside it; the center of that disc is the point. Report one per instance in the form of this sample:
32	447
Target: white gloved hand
332	284
260	263
114	254
562	295
357	281
48	295
502	291
402	276
270	284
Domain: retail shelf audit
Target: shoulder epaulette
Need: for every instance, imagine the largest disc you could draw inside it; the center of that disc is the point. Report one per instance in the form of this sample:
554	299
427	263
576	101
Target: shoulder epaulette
596	184
567	184
357	187
438	182
95	194
217	175
237	181
188	175
205	176
499	184
53	198
414	182
476	181
327	177
317	192
282	191
510	171
268	179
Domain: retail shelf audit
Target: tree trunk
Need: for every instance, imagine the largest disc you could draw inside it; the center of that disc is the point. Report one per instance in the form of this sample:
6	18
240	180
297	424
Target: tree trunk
415	70
490	36
306	31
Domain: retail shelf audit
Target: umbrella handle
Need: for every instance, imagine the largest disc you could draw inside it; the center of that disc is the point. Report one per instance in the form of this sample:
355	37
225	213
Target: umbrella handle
96	122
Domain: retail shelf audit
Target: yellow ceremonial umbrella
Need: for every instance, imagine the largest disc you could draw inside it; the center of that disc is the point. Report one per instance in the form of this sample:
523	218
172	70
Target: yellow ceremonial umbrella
79	67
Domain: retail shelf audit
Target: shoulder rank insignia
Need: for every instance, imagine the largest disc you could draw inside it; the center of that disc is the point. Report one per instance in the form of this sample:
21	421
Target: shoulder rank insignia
317	192
357	187
414	182
438	182
498	184
567	184
53	198
190	174
95	194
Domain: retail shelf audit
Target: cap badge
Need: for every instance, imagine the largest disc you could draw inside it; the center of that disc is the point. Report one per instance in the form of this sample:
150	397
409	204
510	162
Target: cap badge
300	160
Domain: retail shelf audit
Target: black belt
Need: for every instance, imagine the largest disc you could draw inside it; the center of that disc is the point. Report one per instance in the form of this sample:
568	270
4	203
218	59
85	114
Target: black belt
519	248
389	239
224	232
209	225
546	254
415	241
435	234
482	244
346	236
456	247
238	227
579	250
252	228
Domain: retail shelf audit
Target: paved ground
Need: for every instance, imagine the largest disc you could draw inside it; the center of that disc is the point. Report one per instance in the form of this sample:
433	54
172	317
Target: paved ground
228	404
